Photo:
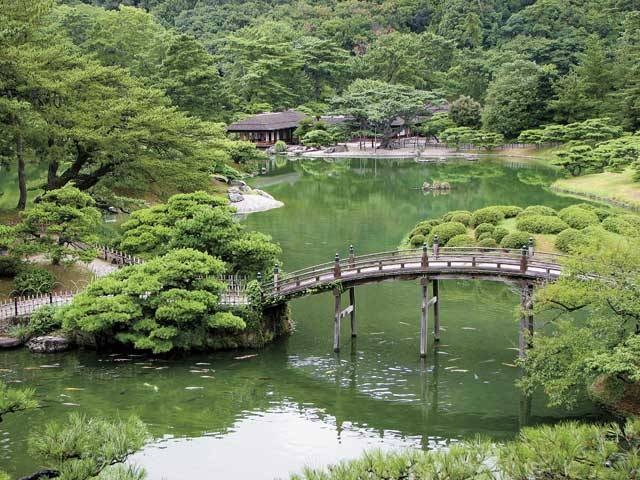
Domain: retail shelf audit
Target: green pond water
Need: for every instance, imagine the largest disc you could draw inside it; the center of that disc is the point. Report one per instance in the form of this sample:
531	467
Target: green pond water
297	403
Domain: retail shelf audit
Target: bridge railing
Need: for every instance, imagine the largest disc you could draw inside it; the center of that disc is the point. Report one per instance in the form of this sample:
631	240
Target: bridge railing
473	255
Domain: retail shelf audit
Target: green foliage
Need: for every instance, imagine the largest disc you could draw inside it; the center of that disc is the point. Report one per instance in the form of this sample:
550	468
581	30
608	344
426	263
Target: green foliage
484	228
499	233
33	281
570	240
169	302
515	240
462	216
280	147
509	211
462	240
567	451
538	210
201	221
9	266
417	240
466	112
492	215
446	231
62	218
42	321
602	278
317	138
621	225
540	224
578	217
487	242
84	447
15	400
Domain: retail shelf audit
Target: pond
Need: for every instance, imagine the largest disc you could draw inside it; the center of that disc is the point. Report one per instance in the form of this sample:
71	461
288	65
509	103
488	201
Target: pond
295	402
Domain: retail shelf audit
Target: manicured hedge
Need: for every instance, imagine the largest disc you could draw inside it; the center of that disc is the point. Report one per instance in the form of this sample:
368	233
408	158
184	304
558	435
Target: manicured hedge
448	217
499	233
462	217
619	224
421	230
463	240
417	240
515	240
569	239
540	224
484	228
578	217
488	243
485	235
33	281
538	210
491	215
510	211
446	231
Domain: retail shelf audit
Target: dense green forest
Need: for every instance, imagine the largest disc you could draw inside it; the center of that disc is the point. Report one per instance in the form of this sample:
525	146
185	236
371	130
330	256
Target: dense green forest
132	96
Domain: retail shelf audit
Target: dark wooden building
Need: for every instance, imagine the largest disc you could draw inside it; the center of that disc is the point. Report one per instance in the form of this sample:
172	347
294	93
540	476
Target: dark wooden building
265	129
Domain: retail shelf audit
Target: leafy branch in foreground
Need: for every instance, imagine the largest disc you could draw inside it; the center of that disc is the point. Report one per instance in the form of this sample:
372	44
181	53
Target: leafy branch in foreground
15	400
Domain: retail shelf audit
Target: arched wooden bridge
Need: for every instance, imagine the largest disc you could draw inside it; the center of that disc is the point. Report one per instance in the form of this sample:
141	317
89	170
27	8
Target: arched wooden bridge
523	267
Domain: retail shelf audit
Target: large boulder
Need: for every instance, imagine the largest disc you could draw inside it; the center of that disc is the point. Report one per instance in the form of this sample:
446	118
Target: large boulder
238	183
235	197
10	342
48	344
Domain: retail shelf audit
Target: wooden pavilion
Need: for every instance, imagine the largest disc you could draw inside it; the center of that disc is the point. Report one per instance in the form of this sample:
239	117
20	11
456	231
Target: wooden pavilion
265	129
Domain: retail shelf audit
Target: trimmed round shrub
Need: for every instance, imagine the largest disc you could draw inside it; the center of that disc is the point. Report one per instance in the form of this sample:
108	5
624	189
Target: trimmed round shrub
448	217
421	230
510	211
620	225
463	240
484	228
516	240
632	219
462	217
578	217
491	215
485	235
499	233
569	239
43	321
540	224
446	231
603	213
538	210
488	243
9	266
33	281
417	240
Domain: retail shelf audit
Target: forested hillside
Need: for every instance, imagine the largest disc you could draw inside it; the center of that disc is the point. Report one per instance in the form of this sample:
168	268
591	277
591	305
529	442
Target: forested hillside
528	62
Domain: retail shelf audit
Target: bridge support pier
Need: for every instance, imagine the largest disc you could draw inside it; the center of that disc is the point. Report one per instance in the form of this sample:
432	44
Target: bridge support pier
424	318
436	310
526	319
339	314
352	303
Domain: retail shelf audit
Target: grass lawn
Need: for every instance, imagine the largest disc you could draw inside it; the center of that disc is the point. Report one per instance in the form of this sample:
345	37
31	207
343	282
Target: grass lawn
611	186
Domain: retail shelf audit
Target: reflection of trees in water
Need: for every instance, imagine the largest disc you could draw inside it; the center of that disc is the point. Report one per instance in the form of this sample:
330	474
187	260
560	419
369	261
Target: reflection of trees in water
536	178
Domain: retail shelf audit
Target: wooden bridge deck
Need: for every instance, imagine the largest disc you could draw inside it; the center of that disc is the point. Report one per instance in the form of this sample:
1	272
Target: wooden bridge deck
448	263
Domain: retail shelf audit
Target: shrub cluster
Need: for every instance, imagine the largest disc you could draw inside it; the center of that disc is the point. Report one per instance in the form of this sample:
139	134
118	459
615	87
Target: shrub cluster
515	240
620	225
484	228
417	240
510	211
488	243
462	216
9	266
540	224
570	239
446	231
538	210
578	217
33	281
493	215
462	240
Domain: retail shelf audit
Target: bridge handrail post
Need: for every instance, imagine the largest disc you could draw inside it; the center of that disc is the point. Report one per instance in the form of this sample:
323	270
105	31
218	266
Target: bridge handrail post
523	258
530	247
337	272
425	256
352	256
276	277
436	246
